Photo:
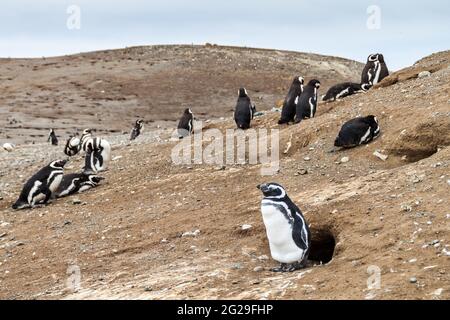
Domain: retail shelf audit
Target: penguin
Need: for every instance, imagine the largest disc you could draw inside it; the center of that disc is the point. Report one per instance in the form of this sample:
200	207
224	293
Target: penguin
8	147
52	138
98	152
358	131
345	89
77	183
307	102
72	147
41	186
290	102
244	111
287	230
375	70
186	124
137	129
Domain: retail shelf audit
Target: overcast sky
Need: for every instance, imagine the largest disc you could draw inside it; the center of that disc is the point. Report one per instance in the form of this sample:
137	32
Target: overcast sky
408	30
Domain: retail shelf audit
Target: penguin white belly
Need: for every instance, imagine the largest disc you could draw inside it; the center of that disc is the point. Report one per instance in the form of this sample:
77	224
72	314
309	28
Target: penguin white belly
106	155
365	137
84	188
56	182
279	232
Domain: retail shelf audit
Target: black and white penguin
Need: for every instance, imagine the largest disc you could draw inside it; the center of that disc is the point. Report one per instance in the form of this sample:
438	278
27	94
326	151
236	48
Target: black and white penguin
290	102
76	183
41	186
307	102
375	70
358	131
52	138
98	152
287	230
343	90
244	111
73	146
137	129
186	124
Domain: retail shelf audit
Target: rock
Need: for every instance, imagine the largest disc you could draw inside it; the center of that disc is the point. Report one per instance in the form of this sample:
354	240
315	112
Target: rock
448	182
191	233
263	257
345	159
3	234
406	208
437	292
258	269
76	201
258	114
236	266
246	227
8	147
424	74
148	289
380	155
307	158
413	280
302	172
164	240
116	158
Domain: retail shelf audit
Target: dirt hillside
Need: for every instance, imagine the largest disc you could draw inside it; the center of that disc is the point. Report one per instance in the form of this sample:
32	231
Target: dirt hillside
136	235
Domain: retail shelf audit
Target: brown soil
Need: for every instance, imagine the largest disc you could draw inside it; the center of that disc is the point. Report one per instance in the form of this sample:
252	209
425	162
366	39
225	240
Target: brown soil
126	234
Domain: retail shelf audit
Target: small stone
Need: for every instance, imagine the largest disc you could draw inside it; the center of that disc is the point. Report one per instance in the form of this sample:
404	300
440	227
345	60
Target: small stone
76	201
345	159
191	233
406	208
258	269
334	211
246	227
424	74
380	155
263	257
302	172
236	266
413	280
164	240
307	158
437	292
148	289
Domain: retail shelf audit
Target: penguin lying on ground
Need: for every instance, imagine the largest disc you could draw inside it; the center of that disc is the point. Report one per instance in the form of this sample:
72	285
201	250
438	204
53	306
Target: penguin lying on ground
357	131
286	228
41	186
186	124
345	89
290	102
307	103
244	111
375	70
52	138
76	183
137	129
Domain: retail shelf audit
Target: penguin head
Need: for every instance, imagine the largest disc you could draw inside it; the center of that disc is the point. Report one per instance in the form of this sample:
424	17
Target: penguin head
380	57
365	86
87	131
243	93
95	179
58	164
314	83
139	121
299	80
371	119
272	190
187	111
373	57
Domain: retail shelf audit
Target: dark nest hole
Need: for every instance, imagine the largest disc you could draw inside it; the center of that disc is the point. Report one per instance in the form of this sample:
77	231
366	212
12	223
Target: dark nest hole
323	244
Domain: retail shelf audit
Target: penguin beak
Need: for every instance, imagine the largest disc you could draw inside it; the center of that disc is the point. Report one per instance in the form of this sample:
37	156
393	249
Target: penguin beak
263	187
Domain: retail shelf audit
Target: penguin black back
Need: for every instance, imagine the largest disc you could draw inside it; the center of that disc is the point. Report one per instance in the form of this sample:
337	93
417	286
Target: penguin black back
186	124
307	103
52	138
289	104
244	111
344	89
357	131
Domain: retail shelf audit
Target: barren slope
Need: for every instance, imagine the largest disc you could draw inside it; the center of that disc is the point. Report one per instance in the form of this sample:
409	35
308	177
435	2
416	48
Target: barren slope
126	234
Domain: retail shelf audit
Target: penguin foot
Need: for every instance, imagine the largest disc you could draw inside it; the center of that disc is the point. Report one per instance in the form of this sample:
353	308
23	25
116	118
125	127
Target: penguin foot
288	267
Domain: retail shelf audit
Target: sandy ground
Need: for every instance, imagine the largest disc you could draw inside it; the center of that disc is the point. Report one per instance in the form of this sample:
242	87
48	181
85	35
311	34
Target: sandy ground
126	236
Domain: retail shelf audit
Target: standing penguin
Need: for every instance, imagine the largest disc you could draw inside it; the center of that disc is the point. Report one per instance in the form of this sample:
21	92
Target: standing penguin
137	129
186	124
358	131
73	146
375	70
290	102
40	187
98	151
244	111
307	103
286	228
76	183
345	89
52	138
